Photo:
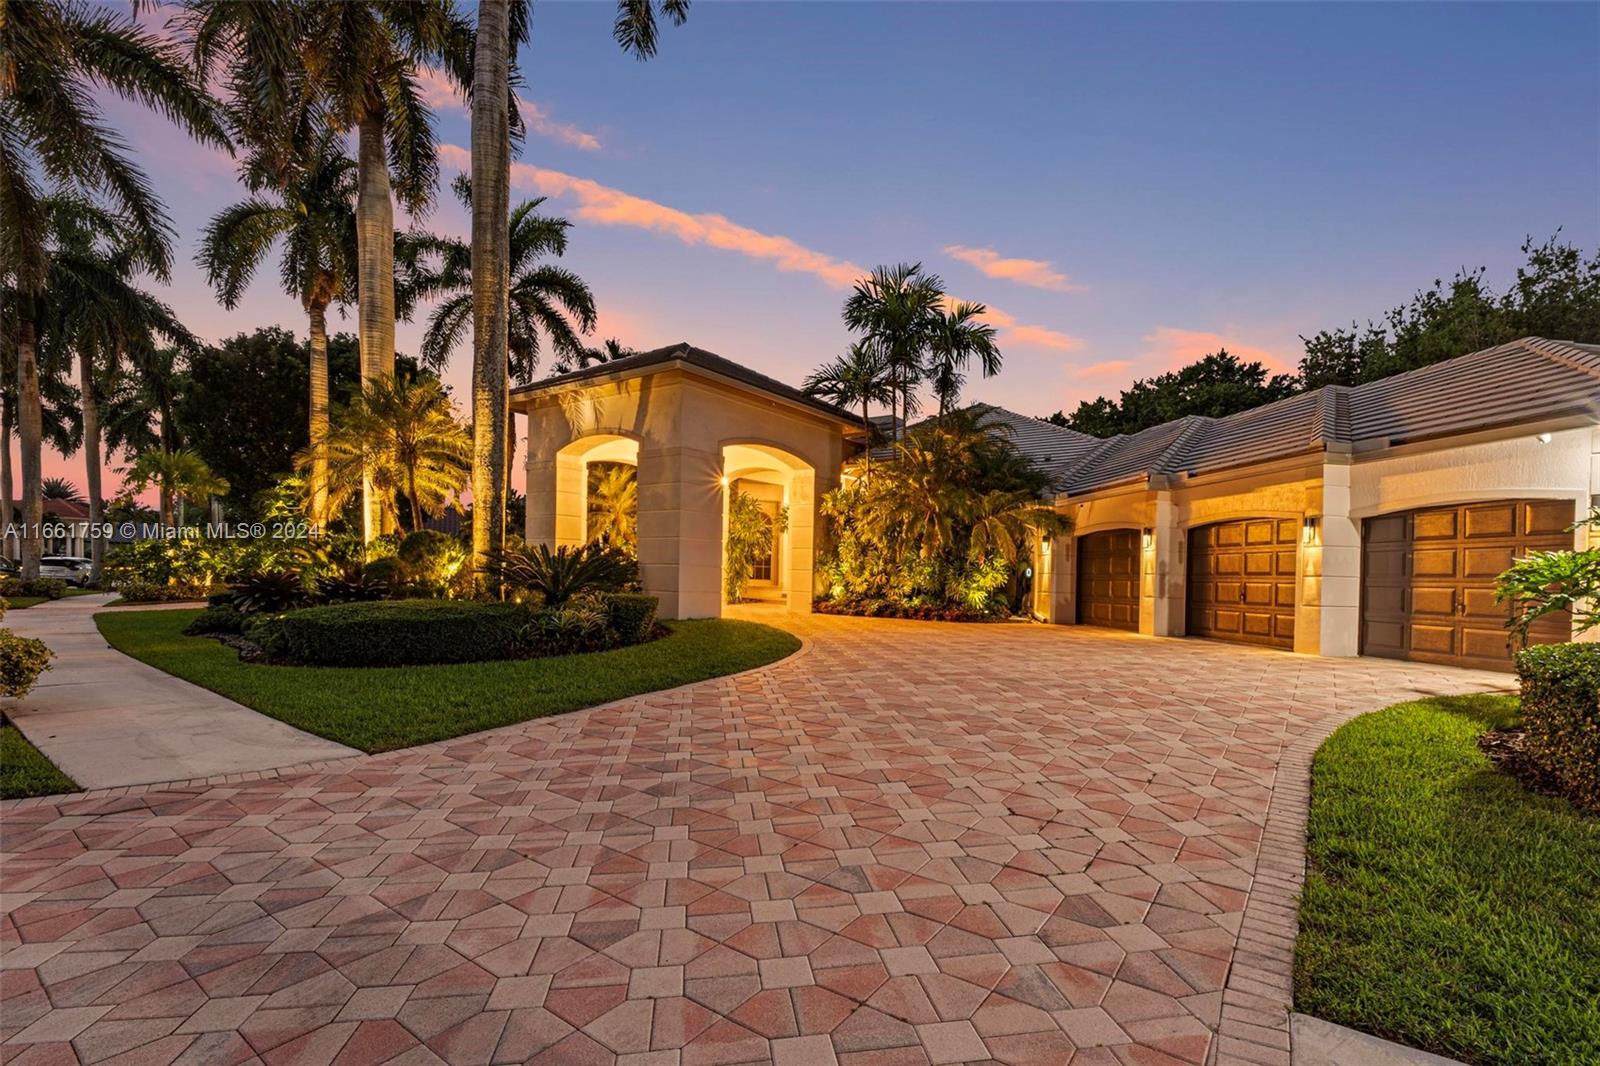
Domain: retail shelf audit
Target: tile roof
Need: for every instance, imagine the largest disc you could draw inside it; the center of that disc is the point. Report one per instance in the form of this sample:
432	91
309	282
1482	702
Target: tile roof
1527	380
685	352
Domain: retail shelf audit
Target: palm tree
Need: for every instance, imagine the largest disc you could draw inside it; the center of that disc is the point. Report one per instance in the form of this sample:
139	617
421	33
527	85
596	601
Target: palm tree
608	351
312	215
403	438
614	505
59	488
180	476
896	308
958	335
52	56
860	376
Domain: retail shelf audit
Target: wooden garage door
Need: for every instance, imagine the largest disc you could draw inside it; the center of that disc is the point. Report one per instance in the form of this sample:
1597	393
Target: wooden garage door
1241	581
1108	579
1428	580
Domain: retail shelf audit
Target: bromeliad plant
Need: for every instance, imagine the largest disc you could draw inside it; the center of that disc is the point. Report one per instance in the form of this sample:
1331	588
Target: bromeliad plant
1545	583
941	524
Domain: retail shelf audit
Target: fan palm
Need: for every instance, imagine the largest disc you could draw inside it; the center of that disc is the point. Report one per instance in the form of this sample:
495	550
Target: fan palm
52	56
957	336
896	309
311	214
59	488
860	376
403	437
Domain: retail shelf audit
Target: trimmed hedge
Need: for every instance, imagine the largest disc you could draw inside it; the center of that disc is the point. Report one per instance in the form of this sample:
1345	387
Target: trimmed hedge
151	592
22	660
391	633
218	618
1561	715
50	588
632	615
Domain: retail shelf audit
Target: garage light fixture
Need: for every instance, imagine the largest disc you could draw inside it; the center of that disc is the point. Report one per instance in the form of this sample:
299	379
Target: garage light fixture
1308	531
1543	438
1148	538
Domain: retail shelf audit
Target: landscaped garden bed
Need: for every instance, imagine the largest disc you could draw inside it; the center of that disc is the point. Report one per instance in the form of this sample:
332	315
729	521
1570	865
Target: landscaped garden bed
382	708
1447	906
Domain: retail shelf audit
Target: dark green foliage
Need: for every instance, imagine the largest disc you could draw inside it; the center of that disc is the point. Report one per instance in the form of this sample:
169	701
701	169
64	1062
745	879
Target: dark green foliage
877	607
1544	583
1561	715
557	576
392	633
24	772
580	625
22	660
268	591
632	615
218	618
1217	385
1446	906
750	533
377	710
153	592
434	564
358	587
49	588
218	599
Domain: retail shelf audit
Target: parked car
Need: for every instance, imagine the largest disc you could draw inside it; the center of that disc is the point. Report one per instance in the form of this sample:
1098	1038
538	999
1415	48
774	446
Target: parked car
74	570
9	567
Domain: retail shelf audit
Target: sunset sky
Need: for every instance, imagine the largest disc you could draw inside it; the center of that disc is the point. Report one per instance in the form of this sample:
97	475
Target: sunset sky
1127	187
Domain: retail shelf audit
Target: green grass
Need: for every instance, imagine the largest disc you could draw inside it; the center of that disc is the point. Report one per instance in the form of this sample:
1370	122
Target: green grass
379	709
1447	907
22	603
25	772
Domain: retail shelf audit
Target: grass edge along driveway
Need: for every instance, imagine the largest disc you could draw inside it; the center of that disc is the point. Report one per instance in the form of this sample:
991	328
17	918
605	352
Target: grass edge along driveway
381	709
1446	907
24	771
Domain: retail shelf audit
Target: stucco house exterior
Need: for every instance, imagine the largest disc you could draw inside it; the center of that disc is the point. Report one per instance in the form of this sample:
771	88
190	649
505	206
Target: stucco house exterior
1343	521
66	527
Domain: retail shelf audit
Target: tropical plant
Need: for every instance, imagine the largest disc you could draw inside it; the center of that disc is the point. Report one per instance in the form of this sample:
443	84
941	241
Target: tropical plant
178	476
59	488
53	56
957	336
608	351
270	591
896	308
750	536
859	377
557	576
404	437
434	564
1549	582
614	506
310	213
22	660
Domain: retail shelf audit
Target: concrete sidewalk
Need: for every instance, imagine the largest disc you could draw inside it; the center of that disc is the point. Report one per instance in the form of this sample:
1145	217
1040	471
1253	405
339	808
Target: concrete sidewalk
108	720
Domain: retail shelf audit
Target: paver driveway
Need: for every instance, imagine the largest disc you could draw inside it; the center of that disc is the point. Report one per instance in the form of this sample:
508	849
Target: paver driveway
911	843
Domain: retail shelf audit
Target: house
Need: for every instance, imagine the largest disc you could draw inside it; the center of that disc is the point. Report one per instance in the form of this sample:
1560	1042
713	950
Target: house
1348	520
66	529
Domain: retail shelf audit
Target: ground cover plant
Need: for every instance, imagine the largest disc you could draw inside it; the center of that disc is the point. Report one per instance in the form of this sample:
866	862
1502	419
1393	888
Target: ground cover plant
1446	906
379	709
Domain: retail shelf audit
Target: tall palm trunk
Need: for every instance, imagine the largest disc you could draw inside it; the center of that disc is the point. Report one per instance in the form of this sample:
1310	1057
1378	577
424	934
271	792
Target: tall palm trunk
866	429
491	180
31	425
375	249
91	461
317	312
8	430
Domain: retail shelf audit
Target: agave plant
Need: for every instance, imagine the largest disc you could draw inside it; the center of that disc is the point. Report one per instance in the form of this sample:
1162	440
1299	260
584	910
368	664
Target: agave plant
557	576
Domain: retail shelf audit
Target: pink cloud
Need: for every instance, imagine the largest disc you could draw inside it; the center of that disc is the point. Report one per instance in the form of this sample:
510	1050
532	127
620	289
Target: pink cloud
1110	366
439	91
1039	273
1172	348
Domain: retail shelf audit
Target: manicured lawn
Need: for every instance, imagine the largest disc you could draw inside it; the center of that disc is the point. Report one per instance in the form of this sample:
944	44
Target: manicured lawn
380	709
22	603
24	772
1447	907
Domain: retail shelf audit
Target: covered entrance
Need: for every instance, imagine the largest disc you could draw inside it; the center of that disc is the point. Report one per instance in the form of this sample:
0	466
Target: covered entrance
1108	579
1428	580
1242	581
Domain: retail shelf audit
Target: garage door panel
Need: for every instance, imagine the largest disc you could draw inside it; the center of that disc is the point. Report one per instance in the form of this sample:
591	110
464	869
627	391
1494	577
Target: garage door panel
1241	581
1428	579
1108	579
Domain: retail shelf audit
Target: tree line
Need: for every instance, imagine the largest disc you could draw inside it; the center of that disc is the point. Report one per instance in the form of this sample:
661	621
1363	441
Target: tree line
1556	294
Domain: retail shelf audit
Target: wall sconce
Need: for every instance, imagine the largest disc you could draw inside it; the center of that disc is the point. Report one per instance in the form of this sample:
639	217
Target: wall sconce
1543	438
1147	537
1308	531
724	481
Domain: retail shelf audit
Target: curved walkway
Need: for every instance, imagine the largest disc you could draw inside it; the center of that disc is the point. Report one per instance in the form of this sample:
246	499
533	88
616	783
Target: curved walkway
108	720
910	844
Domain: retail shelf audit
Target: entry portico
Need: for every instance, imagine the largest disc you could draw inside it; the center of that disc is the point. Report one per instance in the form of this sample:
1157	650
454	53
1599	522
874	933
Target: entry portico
693	424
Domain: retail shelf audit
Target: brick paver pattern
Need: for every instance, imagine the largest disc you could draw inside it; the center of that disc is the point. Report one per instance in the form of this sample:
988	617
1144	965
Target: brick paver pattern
909	844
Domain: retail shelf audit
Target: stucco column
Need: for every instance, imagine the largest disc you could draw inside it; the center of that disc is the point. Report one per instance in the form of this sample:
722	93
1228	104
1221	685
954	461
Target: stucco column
1162	562
680	530
555	504
1328	609
1060	606
539	508
802	540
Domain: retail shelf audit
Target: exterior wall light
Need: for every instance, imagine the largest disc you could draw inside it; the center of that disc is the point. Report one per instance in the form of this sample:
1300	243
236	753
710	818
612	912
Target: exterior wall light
1543	438
724	481
1148	537
1308	531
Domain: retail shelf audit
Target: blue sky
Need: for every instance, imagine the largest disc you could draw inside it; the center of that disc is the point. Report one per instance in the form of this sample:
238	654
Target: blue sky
1179	175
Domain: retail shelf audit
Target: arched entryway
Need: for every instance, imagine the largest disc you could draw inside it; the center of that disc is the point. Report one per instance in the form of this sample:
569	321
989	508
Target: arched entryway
568	519
780	488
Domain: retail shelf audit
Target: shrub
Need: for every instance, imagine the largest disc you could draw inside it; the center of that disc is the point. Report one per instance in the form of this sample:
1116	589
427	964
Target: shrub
557	576
1561	715
218	618
51	588
220	597
195	560
631	615
391	633
22	660
151	592
434	564
750	536
578	626
266	592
